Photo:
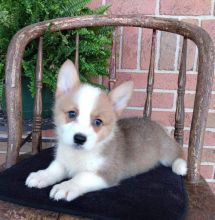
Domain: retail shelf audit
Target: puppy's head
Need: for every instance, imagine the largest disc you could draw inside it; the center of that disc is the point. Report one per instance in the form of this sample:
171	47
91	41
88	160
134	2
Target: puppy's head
85	116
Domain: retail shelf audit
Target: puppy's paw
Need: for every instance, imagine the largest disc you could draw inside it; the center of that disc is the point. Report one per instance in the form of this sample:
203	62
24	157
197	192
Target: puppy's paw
67	190
39	179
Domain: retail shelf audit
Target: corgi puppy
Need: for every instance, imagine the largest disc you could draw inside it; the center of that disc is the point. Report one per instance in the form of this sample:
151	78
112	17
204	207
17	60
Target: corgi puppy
95	148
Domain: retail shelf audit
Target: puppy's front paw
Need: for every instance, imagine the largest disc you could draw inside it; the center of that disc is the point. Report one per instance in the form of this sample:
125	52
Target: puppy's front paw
39	179
66	191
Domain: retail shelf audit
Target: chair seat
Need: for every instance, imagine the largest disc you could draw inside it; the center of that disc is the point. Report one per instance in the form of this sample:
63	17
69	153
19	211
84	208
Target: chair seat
157	194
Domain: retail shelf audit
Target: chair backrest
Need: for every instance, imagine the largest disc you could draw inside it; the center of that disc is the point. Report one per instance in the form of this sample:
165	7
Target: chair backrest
188	31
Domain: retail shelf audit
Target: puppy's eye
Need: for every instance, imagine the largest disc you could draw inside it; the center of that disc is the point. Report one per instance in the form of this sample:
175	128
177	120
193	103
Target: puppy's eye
72	114
98	122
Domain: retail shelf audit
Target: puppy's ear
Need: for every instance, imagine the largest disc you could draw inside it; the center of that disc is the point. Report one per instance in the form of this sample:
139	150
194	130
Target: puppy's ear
120	96
67	78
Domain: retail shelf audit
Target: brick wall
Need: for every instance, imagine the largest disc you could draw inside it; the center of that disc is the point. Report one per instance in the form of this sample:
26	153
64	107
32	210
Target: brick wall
133	61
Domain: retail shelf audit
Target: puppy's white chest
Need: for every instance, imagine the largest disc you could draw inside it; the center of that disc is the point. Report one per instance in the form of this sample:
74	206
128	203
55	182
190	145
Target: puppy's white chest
76	161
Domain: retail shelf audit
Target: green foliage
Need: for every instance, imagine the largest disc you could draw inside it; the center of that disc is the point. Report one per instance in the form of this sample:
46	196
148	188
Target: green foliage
94	42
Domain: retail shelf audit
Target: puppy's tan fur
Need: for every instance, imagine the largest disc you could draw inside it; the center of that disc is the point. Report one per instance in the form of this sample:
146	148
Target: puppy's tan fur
113	151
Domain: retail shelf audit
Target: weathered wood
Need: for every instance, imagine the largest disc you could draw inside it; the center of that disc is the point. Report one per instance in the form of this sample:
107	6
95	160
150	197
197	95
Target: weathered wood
112	69
37	121
150	81
192	32
77	52
201	201
179	115
9	211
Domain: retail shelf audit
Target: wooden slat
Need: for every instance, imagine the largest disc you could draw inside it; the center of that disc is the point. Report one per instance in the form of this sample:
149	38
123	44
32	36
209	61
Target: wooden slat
179	115
112	69
9	211
37	121
77	40
150	82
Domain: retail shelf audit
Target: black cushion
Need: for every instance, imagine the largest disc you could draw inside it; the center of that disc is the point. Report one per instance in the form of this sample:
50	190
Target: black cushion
157	194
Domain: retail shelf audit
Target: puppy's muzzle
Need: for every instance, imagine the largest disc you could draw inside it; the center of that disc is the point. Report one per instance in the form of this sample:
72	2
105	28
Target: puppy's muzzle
79	139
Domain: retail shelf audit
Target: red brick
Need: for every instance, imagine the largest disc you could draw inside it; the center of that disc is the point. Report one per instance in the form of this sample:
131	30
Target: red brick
94	3
146	7
139	79
209	139
184	7
162	80
208	155
48	133
129	49
159	100
146	48
168	119
191	48
209	26
167	51
165	118
132	113
207	171
189	101
169	81
211	121
212	186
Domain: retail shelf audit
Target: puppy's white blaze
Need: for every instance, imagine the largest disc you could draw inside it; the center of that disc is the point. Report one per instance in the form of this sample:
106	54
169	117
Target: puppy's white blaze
76	161
86	98
179	167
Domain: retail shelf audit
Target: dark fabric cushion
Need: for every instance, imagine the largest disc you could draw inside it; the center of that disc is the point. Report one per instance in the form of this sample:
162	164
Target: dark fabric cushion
157	194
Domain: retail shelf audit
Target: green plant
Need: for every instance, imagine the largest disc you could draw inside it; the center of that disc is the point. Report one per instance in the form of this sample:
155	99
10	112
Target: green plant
94	44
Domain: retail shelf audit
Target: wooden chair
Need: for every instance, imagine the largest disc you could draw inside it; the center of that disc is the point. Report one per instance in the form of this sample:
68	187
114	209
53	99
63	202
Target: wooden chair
201	199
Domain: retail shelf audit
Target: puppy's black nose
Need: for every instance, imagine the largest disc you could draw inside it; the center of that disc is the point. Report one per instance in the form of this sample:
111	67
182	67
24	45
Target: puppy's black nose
79	138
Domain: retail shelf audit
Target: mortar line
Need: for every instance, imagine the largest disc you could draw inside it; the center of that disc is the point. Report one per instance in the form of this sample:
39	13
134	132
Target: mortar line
210	180
157	58
212	7
157	8
139	48
179	17
120	47
208	163
177	49
157	71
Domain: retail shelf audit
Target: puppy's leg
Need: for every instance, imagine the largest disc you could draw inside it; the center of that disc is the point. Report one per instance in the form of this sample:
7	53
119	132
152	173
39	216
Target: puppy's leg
43	178
81	183
173	156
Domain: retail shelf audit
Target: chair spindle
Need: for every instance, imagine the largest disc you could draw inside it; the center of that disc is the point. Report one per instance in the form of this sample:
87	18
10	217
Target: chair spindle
150	81
77	40
112	69
37	120
180	114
